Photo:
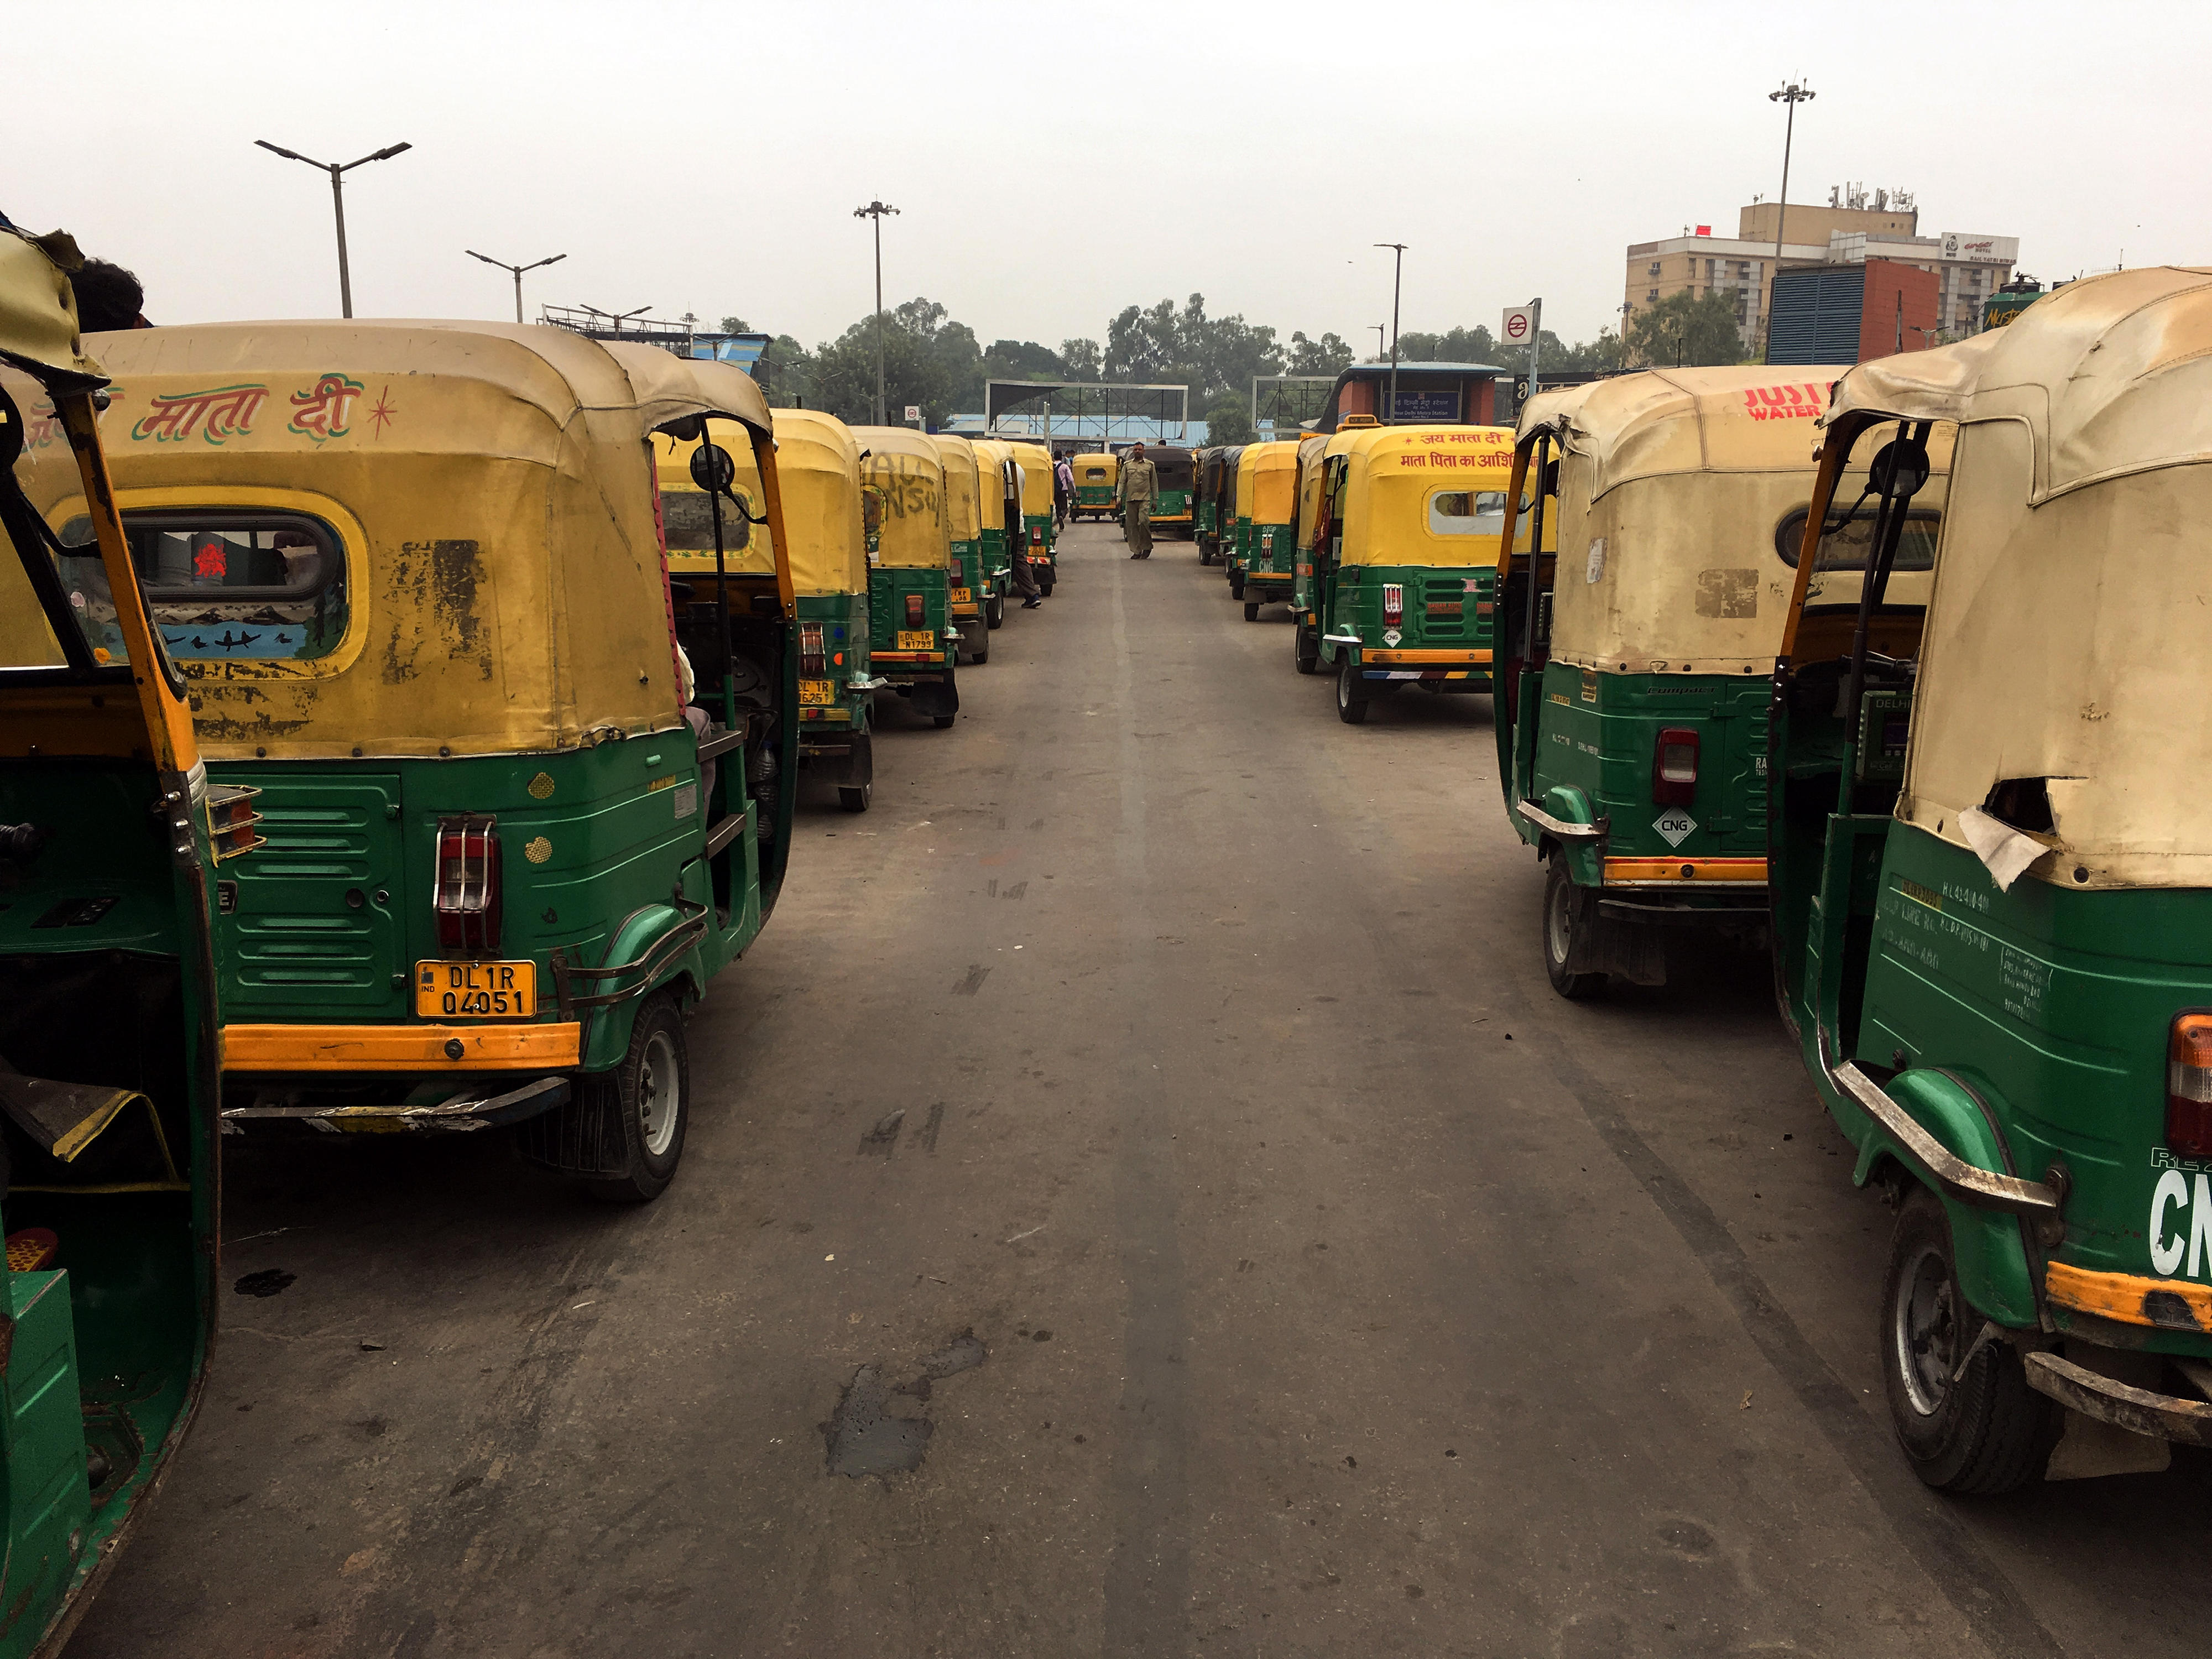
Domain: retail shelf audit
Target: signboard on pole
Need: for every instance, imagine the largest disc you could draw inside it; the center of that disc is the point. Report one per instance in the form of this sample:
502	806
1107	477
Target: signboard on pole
1520	326
913	413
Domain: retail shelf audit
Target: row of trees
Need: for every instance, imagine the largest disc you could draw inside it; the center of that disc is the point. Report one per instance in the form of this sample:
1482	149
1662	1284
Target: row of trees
938	365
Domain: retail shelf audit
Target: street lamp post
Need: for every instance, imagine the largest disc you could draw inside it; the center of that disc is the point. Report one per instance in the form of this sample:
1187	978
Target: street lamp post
1397	272
1790	97
876	211
337	170
516	269
1381	341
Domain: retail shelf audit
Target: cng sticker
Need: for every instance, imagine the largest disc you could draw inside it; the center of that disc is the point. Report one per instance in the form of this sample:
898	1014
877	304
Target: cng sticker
1675	826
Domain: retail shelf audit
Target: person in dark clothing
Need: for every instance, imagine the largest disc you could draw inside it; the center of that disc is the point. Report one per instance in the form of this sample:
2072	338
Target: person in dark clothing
107	297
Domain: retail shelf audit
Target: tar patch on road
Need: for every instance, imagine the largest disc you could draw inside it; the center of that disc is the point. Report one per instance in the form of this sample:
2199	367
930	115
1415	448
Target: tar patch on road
881	1431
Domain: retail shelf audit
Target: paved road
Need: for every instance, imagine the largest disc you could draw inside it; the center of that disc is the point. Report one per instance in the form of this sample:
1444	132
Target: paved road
1339	1290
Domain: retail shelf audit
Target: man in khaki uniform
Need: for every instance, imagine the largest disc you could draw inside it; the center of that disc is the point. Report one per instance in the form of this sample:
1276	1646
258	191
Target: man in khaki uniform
1137	489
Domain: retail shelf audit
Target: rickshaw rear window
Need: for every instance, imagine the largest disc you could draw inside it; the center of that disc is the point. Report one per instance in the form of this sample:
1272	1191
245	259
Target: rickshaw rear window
687	520
1094	472
232	586
1849	547
1466	513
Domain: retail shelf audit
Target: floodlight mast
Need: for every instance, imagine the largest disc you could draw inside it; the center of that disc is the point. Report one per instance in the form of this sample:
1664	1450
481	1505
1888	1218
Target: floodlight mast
876	211
516	269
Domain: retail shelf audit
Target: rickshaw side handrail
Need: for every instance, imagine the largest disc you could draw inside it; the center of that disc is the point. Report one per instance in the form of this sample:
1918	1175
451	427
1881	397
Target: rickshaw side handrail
1559	827
1934	1162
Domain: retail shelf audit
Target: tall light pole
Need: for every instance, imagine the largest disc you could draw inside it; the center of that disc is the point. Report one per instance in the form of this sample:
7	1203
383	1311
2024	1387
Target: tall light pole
338	171
516	269
1382	343
617	318
876	211
1392	418
1790	96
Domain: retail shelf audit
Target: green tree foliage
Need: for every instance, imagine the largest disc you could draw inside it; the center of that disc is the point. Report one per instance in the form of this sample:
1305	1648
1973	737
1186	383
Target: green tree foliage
1229	419
1081	360
1328	355
1680	329
1161	345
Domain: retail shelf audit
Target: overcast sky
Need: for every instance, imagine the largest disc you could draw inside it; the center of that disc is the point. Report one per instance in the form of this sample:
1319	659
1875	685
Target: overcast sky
1055	162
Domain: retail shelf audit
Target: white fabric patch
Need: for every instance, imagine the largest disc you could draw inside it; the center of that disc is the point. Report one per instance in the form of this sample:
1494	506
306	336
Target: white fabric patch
2004	851
1595	568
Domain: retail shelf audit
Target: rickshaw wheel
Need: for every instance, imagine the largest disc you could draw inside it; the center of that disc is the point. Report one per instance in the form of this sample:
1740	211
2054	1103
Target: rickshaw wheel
1350	695
1569	912
1044	581
1985	1432
1236	583
1304	653
994	614
854	799
941	721
647	1094
1251	610
980	651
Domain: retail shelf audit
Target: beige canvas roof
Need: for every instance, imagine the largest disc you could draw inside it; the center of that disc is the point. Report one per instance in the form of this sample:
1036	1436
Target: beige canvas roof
2066	634
963	508
903	466
37	312
668	387
1672	486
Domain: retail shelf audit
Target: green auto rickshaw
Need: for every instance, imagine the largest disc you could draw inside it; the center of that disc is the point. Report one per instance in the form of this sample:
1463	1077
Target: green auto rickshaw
1171	506
520	807
1225	508
912	638
1631	738
999	505
1097	472
1033	458
1204	498
1404	559
969	579
818	464
1264	563
109	1036
1991	868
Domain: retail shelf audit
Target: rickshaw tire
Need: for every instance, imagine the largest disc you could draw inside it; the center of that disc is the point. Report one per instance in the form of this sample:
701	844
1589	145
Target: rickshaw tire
980	652
1306	656
941	721
1991	1433
1560	888
854	798
1350	708
994	614
1235	583
1044	583
1251	610
660	1024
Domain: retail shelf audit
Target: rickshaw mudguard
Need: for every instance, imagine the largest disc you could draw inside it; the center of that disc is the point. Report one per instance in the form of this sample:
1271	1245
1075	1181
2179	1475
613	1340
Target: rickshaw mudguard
1585	858
607	1037
1989	1246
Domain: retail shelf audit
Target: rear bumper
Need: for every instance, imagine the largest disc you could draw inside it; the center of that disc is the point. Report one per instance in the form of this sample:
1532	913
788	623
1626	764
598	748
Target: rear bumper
419	1050
489	1108
2139	1410
1747	877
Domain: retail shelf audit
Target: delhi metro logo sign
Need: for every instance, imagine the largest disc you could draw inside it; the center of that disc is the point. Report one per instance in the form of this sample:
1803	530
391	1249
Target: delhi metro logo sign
1519	326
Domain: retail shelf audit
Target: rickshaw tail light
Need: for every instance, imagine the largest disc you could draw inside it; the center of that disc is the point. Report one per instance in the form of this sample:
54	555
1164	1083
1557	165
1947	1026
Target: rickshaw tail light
809	649
467	888
1036	535
1394	603
1675	767
2189	1086
915	615
959	573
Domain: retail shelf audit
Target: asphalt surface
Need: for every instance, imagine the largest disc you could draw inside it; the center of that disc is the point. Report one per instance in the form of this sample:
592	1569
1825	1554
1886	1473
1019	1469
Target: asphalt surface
1337	1289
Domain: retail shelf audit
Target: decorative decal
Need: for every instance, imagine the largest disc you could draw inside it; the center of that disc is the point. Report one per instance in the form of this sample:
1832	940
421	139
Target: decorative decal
537	849
380	416
541	787
1675	825
220	412
1801	402
326	411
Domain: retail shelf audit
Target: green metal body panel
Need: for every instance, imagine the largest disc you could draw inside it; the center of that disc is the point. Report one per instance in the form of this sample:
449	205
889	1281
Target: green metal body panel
996	561
1041	522
844	619
1203	519
1094	498
1594	732
1268	554
1172	506
1349	601
967	559
888	588
1240	542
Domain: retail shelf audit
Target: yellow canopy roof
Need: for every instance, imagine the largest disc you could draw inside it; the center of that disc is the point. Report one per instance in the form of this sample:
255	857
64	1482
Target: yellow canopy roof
669	388
495	511
37	312
1034	460
1393	483
963	505
903	468
1267	481
2065	638
991	456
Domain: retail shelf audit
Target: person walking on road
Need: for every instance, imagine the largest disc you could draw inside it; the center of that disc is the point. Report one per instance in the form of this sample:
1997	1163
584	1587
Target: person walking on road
1134	494
1063	489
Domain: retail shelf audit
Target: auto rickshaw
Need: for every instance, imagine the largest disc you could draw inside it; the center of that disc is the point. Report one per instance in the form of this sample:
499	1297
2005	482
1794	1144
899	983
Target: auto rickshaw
1404	559
110	1034
911	643
1172	508
969	579
1096	475
1631	738
1204	498
819	466
1225	508
1991	869
1034	458
1267	499
412	575
999	500
1308	589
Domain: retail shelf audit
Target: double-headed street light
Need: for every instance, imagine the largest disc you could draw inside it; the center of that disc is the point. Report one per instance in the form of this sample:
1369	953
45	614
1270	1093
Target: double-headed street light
1790	97
1391	419
876	211
337	170
516	269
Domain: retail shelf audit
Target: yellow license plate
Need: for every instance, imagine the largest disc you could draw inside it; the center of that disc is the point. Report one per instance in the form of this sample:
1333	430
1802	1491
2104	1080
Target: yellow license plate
917	638
476	990
963	596
821	692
